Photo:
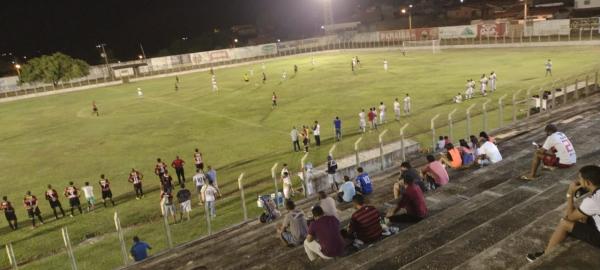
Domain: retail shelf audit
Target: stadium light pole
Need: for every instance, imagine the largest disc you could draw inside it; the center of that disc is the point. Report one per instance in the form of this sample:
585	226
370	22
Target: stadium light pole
105	56
409	16
327	12
18	68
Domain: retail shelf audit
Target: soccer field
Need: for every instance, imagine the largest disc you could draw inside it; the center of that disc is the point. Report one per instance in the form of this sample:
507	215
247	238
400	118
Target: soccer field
56	139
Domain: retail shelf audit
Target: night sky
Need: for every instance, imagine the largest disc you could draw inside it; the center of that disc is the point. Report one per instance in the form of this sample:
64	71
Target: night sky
75	27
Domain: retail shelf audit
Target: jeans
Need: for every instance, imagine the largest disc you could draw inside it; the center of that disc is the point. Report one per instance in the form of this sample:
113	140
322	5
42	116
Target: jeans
210	207
318	140
180	175
296	145
338	134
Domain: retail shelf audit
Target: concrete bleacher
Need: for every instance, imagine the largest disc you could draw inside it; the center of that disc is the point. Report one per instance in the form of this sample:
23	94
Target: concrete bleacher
483	219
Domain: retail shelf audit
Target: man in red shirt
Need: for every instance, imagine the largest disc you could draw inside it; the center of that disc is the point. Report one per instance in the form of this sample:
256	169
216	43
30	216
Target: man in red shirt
31	205
105	188
324	239
178	165
160	169
412	200
9	213
72	193
52	198
135	178
364	224
372	116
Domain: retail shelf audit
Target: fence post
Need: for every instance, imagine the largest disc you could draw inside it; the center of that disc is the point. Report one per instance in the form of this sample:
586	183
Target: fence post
485	117
501	110
596	81
433	132
121	238
451	124
587	92
402	151
304	180
356	151
273	174
553	94
67	241
381	148
529	102
241	186
167	229
332	149
469	119
11	256
576	89
514	105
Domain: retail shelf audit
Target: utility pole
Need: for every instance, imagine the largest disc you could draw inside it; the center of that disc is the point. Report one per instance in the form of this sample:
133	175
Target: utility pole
327	12
101	46
142	48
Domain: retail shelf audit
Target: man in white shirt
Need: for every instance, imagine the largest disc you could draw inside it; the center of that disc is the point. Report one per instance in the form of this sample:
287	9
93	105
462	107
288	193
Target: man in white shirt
397	109
488	153
213	81
294	135
458	98
581	222
317	133
209	196
362	121
199	181
407	104
88	193
385	65
483	82
493	81
469	92
557	152
328	205
381	113
288	190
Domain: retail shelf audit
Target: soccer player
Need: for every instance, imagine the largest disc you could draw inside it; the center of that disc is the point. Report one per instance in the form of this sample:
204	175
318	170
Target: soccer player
548	68
362	121
295	69
469	91
135	178
198	160
178	164
385	65
140	93
317	133
167	182
381	113
106	192
458	98
284	76
493	81
160	168
95	109
9	213
88	193
397	109
483	85
213	81
263	67
312	61
251	72
372	115
246	79
52	197
176	87
407	104
199	180
337	124
176	79
352	65
264	78
274	101
31	205
72	193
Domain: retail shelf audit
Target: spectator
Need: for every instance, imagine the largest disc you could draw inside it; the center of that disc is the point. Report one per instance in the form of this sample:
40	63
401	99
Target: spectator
209	196
440	144
139	250
305	140
466	152
288	189
452	157
337	124
407	169
364	223
363	182
285	169
324	239
178	164
168	207
199	180
557	152
435	174
52	197
295	143
184	197
473	143
488	153
413	201
581	222
88	193
212	175
9	213
294	229
347	190
328	205
331	170
446	141
484	136
317	133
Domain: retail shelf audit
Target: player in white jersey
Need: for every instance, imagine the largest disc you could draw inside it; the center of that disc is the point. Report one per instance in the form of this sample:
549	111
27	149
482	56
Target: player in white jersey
381	113
385	65
263	67
312	61
493	81
549	68
470	87
458	98
140	93
362	121
483	85
397	109
407	104
284	76
354	62
213	81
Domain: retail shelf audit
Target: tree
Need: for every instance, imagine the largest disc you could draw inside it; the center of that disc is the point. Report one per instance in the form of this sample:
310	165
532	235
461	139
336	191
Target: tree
53	69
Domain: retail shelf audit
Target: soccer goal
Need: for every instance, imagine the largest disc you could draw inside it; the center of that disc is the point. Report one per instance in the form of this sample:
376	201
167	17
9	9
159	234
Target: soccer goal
433	45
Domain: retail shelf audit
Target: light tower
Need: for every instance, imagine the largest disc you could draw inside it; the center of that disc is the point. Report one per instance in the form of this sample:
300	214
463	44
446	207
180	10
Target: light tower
327	12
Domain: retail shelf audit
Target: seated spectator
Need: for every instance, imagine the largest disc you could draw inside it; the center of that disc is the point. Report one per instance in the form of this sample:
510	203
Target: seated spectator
557	152
347	190
452	157
364	223
488	153
434	173
466	153
473	143
484	136
413	201
581	222
324	239
407	169
446	141
328	205
294	229
440	144
363	182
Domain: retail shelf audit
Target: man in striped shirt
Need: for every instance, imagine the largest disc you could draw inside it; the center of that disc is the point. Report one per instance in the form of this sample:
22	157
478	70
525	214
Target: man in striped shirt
364	223
135	178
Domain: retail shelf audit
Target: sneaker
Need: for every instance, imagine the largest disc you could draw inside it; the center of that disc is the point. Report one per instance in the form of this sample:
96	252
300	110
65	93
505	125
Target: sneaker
533	256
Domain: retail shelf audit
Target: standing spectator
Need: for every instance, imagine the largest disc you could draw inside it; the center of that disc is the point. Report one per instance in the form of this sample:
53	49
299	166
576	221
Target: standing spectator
324	239
406	170
72	193
556	152
305	140
285	170
294	229
435	173
407	104
488	153
135	178
452	157
160	169
337	124
294	135
52	197
212	175
372	115
288	190
306	132
382	110
198	159
139	250
317	133
328	205
441	143
199	181
364	223
413	201
31	205
548	68
88	193
106	191
363	182
331	171
184	197
347	190
178	164
9	213
209	196
167	205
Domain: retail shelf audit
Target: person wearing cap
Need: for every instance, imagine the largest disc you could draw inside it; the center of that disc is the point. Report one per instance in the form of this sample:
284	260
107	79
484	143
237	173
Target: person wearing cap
331	171
556	152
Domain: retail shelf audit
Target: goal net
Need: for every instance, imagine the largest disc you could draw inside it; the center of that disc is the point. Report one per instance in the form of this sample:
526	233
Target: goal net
433	45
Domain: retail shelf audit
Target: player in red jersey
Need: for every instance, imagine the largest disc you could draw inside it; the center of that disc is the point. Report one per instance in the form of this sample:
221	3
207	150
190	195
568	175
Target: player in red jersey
9	213
160	169
52	198
135	178
105	188
31	205
274	101
72	193
198	160
95	109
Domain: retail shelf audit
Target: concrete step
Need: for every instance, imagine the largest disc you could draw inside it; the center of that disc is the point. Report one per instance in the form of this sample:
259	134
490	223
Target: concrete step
572	255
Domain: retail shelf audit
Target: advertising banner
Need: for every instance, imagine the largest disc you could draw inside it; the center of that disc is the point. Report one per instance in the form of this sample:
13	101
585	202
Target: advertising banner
405	35
463	31
548	28
219	55
491	30
585	23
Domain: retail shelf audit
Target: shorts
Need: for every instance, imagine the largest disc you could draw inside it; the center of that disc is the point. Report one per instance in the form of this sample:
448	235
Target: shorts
10	215
200	166
199	188
587	232
554	161
290	239
54	204
106	194
169	209
91	200
74	202
33	212
186	206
